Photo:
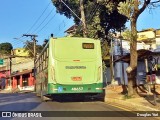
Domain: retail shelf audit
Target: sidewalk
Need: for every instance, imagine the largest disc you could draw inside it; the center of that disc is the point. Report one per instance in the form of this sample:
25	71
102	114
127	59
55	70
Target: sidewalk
5	91
15	91
144	103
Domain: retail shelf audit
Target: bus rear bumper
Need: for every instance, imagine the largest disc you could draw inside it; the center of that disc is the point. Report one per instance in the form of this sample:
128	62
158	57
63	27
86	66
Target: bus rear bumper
83	88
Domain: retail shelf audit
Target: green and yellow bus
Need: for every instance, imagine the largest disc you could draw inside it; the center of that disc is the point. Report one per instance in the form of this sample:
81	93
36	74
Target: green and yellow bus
69	65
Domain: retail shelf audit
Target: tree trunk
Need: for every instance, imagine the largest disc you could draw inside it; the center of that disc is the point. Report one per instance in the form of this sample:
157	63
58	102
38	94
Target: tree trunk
132	86
83	19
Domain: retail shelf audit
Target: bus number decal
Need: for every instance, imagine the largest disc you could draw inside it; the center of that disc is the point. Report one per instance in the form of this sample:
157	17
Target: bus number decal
77	88
75	67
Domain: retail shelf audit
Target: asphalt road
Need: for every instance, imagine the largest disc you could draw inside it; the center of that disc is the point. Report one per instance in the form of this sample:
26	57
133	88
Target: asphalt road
61	110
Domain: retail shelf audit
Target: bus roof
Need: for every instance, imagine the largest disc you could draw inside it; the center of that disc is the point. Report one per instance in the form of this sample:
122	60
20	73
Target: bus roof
74	38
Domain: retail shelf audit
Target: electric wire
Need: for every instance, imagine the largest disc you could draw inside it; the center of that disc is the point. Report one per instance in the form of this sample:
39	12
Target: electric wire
61	30
71	10
46	23
97	8
26	46
43	21
39	18
16	42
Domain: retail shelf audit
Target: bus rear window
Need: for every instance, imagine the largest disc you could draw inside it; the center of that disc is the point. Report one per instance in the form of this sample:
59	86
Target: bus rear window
75	49
88	45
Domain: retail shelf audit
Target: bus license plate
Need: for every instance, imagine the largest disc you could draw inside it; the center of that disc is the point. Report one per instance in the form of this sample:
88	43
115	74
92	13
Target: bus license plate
77	88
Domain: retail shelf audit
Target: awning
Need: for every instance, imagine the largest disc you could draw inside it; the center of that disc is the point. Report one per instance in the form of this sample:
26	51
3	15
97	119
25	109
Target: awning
142	54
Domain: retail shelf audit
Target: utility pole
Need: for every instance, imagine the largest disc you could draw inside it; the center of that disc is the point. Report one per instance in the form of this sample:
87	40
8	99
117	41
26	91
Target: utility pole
10	69
33	38
83	19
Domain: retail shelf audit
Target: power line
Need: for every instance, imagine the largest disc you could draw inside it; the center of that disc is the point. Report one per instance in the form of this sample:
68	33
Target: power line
93	9
25	45
93	13
15	43
39	17
90	16
59	27
35	22
46	23
43	20
71	10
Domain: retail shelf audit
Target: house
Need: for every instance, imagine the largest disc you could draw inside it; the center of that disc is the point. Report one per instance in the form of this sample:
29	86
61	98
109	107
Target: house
148	65
4	78
158	38
71	31
150	37
4	73
18	70
22	74
148	46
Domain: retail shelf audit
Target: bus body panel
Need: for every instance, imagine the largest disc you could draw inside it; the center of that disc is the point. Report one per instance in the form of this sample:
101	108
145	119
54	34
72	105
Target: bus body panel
72	68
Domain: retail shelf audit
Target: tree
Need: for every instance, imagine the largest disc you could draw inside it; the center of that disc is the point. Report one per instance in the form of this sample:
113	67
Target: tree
29	46
132	9
100	16
5	48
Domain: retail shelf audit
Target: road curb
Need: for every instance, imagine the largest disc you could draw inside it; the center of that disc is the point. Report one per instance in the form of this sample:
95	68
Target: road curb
128	105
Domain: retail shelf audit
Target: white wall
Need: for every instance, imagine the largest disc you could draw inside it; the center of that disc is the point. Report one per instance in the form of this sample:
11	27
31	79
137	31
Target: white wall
126	47
21	66
157	42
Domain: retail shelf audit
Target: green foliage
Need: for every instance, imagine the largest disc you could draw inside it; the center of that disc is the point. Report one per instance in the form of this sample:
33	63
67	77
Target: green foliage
126	8
5	48
105	49
102	16
62	9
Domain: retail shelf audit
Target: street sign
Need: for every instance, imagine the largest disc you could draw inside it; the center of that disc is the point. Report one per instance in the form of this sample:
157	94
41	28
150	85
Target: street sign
1	61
